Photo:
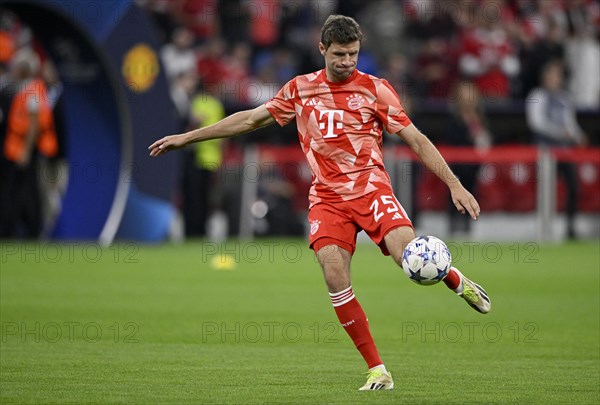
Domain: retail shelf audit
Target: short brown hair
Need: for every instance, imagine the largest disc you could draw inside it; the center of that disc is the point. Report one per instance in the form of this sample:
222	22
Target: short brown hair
340	29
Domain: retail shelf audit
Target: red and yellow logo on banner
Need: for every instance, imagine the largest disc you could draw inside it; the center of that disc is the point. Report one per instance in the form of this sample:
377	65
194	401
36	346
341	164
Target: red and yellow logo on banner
140	68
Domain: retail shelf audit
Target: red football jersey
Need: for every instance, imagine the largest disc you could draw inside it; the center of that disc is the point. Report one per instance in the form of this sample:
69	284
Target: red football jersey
340	128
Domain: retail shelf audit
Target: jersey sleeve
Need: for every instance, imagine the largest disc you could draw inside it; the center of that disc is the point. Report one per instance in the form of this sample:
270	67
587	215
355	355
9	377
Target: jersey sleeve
389	109
282	106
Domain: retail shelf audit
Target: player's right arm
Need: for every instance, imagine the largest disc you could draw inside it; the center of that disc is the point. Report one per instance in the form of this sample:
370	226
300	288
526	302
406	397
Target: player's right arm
235	124
431	157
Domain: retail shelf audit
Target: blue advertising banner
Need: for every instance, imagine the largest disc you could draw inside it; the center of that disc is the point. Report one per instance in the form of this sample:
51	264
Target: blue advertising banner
116	101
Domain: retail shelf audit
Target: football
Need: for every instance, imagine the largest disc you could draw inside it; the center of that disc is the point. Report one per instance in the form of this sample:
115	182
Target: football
426	260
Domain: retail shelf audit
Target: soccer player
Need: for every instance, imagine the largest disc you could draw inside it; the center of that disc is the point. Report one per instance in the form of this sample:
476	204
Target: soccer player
340	113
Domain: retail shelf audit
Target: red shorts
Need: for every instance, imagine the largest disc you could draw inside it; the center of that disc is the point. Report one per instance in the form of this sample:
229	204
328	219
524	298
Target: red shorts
338	223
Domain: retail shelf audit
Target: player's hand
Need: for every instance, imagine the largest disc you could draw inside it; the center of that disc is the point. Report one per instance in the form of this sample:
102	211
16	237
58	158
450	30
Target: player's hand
166	144
465	202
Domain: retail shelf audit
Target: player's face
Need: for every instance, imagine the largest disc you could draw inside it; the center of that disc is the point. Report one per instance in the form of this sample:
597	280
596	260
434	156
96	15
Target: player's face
340	60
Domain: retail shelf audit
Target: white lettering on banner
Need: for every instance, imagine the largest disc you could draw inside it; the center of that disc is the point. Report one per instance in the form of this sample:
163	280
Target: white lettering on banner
331	121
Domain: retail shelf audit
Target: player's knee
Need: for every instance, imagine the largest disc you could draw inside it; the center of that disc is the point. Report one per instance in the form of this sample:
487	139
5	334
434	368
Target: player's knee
335	263
407	234
333	256
402	235
397	240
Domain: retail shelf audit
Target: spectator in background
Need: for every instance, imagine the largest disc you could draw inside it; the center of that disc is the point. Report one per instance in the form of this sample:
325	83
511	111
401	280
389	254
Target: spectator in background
549	47
551	117
29	131
537	18
264	22
487	57
273	211
468	127
234	87
226	72
309	57
463	16
181	90
179	56
285	64
202	161
211	64
7	47
583	53
54	184
384	25
435	68
199	16
264	86
396	71
301	16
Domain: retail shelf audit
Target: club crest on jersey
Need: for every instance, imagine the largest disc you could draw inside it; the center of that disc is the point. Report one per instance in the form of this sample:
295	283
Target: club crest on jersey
314	226
355	101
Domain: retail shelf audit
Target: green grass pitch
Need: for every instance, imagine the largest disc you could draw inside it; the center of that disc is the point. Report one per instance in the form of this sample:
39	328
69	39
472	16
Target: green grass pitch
174	324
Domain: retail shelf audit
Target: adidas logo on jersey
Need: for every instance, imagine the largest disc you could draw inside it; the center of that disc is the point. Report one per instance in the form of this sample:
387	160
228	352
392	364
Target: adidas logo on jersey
313	101
397	216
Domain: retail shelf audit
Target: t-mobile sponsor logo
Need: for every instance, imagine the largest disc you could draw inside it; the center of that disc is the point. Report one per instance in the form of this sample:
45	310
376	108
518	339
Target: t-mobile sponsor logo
329	124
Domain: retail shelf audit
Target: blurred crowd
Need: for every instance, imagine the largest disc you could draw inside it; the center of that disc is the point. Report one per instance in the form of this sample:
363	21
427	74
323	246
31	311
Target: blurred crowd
245	50
462	56
32	139
221	56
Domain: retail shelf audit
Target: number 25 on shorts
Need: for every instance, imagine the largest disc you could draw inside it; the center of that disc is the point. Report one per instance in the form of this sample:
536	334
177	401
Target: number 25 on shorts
389	204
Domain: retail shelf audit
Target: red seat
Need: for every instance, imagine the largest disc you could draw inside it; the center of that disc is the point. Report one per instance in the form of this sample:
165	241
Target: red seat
491	187
431	192
589	187
521	183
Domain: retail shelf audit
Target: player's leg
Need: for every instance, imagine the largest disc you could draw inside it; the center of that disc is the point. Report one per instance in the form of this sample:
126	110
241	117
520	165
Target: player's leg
396	241
335	262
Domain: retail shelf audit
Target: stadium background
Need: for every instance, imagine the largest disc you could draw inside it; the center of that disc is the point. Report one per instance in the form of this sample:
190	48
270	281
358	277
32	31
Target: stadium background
131	72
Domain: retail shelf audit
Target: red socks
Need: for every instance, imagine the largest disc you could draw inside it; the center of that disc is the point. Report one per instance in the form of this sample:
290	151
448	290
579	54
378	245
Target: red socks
353	319
452	280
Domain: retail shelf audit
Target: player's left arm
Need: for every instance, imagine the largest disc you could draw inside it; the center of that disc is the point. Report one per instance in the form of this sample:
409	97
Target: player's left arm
431	157
236	124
